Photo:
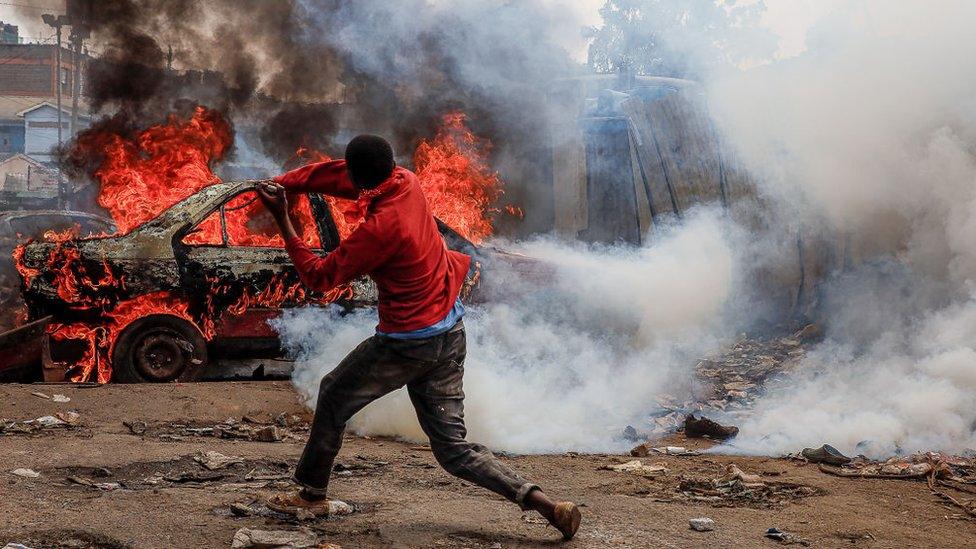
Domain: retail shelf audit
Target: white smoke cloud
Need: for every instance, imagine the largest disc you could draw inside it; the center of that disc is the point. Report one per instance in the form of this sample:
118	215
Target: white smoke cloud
568	364
869	134
866	141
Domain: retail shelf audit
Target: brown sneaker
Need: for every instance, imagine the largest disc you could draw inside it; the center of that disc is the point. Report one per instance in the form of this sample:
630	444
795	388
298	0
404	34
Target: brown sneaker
567	519
293	503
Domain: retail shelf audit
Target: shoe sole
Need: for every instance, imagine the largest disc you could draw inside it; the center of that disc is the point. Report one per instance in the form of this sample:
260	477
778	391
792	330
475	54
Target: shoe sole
575	517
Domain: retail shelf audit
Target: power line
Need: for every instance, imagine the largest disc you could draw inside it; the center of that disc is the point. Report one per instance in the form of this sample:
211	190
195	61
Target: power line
30	7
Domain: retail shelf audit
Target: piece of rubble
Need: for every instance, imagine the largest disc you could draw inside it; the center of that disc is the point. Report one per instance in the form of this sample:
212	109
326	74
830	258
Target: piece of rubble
785	538
213	461
338	508
60	398
637	468
734	473
39	394
25	473
701	524
271	433
242	510
641	450
705	428
46	421
249	538
825	454
136	427
69	418
107	486
675	451
13	545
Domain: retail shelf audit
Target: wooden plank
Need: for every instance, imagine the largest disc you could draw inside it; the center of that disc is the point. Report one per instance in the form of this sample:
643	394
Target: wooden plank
611	201
569	180
654	177
688	149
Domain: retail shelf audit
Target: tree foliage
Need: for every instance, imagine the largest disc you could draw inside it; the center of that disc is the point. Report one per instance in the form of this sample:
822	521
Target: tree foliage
679	38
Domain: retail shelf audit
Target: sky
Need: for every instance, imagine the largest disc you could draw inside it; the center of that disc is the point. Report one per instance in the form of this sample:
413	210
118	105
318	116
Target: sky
789	20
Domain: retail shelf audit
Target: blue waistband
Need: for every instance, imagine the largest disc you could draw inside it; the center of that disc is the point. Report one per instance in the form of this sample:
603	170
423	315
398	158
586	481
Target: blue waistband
452	318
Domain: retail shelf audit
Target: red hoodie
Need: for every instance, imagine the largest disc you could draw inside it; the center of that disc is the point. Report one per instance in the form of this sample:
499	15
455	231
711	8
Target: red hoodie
397	245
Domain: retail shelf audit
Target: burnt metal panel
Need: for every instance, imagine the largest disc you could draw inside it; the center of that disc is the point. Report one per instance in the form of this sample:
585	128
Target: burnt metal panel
610	193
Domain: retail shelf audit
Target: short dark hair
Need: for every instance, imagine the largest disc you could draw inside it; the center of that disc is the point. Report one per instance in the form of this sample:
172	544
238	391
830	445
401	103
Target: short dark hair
370	160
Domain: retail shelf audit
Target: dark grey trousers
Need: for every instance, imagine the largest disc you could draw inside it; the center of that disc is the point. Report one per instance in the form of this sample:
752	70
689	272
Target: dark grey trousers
432	369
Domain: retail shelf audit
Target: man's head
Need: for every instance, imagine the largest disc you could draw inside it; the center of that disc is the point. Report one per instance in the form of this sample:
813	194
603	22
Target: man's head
370	160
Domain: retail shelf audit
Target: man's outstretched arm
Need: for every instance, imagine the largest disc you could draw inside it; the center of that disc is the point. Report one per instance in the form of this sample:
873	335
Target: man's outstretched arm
331	178
360	253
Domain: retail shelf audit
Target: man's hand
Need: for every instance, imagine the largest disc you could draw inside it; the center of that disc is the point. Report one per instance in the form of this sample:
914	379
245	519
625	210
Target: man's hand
272	195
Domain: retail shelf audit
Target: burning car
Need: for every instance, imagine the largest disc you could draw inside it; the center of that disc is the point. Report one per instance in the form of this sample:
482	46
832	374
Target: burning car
18	226
193	286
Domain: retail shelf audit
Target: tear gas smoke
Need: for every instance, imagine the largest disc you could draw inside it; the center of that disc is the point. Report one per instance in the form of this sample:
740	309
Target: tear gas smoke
867	138
570	361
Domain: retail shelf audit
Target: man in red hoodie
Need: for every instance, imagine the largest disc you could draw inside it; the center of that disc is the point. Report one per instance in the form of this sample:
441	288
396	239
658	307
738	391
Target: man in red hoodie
420	341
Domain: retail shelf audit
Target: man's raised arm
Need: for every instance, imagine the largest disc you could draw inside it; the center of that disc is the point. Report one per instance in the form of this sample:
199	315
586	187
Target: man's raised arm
361	252
331	178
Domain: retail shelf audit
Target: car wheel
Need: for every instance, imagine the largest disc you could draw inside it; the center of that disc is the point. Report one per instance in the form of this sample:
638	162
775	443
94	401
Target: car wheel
157	349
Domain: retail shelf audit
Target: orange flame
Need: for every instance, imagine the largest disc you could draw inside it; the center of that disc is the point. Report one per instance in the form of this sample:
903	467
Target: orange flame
167	163
101	339
454	173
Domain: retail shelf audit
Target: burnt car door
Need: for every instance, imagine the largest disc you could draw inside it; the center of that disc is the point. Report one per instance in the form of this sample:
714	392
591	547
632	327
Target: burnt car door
235	269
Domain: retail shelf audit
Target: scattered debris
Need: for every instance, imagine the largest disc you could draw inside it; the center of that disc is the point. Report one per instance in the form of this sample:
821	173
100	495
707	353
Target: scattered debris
644	450
737	474
825	454
47	421
702	524
338	508
26	473
727	386
136	427
785	538
213	461
362	466
69	418
60	398
534	518
247	538
705	428
638	468
283	427
242	510
16	546
267	434
737	487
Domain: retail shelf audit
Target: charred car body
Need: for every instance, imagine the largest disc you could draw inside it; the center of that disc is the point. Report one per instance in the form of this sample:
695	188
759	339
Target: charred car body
159	304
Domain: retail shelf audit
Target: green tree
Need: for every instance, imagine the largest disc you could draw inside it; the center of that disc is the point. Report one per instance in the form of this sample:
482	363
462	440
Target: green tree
679	38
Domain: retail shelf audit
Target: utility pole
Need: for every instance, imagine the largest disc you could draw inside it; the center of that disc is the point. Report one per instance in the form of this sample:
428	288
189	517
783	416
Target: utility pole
78	35
57	22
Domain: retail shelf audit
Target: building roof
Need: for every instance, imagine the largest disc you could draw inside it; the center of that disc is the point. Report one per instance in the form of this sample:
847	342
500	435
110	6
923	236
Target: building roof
65	107
13	106
29	159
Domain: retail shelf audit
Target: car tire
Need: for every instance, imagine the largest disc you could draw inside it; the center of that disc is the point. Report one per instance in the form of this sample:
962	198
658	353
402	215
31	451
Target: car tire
159	349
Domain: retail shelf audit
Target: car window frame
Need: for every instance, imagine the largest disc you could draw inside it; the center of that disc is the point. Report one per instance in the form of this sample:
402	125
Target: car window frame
320	212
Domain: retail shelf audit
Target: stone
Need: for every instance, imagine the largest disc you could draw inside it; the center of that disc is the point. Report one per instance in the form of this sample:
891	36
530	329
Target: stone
249	538
26	473
701	524
213	461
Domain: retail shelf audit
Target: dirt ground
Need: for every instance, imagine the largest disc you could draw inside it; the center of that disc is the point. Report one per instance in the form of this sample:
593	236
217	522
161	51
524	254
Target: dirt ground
166	499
